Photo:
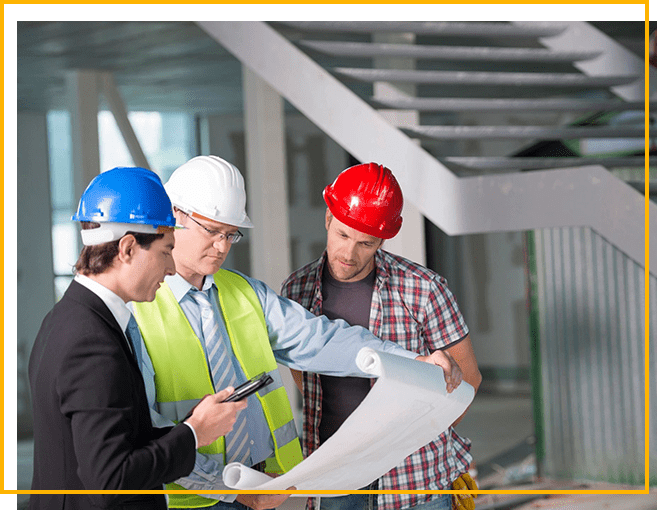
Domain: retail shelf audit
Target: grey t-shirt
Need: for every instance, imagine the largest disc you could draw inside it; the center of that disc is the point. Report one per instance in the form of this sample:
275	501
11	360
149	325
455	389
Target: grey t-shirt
350	301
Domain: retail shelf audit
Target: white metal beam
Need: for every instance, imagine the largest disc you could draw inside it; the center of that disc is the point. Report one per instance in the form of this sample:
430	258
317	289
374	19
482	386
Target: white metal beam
614	59
409	242
573	197
117	107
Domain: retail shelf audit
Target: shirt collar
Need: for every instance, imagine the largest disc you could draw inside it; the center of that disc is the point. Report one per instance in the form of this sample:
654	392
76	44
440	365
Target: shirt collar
381	264
320	266
180	287
115	304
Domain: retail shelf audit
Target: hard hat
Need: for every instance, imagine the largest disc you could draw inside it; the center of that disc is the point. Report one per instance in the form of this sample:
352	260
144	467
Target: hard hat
122	200
368	198
211	187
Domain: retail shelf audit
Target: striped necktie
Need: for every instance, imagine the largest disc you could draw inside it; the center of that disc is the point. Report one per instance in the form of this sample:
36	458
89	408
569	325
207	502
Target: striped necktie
238	446
132	332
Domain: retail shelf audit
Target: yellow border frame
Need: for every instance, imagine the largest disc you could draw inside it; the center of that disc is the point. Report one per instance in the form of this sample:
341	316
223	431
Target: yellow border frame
319	492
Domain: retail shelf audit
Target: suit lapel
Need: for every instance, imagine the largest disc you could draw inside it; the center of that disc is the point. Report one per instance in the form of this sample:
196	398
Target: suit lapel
83	296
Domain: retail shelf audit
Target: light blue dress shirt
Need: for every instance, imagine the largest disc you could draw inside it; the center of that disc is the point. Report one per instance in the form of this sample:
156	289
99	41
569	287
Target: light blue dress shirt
299	340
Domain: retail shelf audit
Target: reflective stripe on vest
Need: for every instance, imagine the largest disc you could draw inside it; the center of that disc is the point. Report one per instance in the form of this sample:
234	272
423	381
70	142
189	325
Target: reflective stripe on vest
177	410
182	377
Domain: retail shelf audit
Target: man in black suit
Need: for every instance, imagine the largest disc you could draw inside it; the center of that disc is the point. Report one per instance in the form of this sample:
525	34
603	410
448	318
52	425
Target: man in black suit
92	424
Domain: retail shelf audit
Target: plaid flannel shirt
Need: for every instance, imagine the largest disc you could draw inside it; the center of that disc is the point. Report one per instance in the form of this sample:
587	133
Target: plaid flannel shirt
411	306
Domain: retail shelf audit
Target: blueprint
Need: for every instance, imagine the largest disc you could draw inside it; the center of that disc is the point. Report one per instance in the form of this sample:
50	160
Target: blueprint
407	408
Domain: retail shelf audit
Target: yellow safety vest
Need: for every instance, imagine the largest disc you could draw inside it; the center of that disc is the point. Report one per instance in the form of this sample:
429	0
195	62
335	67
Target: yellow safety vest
182	376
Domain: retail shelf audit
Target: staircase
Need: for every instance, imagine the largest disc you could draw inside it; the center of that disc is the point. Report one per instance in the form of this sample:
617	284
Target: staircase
489	126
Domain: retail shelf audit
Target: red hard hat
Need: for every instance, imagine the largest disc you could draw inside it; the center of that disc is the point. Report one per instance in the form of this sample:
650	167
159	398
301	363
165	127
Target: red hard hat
367	198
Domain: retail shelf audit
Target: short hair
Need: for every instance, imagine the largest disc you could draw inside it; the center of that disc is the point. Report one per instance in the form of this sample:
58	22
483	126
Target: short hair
99	258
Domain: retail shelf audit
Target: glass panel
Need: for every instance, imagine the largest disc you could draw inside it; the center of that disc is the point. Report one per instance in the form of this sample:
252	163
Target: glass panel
64	232
167	140
112	148
59	157
65	253
61	284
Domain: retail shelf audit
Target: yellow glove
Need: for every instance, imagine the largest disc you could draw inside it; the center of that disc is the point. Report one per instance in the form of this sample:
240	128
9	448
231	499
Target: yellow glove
464	501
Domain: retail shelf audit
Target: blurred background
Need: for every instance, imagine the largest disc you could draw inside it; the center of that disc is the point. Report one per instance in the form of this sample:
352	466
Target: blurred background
520	150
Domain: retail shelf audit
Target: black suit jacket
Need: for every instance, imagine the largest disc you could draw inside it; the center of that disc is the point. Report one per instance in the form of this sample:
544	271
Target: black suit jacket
92	426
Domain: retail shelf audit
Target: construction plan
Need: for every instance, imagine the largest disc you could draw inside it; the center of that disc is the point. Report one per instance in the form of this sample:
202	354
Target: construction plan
407	408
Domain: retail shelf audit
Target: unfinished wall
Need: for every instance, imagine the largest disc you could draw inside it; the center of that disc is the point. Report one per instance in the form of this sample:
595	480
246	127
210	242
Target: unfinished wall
590	300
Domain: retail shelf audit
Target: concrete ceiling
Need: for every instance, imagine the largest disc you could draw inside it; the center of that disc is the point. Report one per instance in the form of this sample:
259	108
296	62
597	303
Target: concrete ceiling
157	65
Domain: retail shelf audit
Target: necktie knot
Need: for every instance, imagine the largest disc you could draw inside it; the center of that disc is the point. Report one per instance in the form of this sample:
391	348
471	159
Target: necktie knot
200	297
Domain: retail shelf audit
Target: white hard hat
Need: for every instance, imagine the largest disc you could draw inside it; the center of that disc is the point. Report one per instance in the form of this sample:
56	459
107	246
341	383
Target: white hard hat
211	187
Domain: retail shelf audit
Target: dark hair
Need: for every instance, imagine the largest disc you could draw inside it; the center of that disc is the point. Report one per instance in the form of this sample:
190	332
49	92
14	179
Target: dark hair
98	258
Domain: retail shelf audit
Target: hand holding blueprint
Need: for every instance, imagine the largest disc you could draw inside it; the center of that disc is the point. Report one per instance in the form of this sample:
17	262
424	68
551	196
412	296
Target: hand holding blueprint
406	408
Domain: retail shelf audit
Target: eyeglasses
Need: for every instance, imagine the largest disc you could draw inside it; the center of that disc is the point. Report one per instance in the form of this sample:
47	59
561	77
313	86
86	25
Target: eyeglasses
232	238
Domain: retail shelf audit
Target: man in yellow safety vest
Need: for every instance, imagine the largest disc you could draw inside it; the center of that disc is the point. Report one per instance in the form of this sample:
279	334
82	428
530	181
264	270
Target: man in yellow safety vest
208	328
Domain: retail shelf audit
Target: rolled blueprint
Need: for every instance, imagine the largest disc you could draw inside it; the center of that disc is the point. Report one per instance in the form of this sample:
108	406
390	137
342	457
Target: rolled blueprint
407	408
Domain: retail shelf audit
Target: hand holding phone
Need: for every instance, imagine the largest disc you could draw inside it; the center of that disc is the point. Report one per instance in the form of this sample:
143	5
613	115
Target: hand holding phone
250	387
212	418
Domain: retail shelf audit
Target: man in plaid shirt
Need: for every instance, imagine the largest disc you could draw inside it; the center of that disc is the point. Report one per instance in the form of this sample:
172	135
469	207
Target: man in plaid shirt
397	300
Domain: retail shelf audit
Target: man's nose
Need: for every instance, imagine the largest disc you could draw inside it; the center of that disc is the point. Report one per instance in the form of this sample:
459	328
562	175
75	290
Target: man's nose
350	251
221	244
171	268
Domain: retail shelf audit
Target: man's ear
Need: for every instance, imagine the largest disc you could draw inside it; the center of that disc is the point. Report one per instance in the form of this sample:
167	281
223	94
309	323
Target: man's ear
127	246
327	220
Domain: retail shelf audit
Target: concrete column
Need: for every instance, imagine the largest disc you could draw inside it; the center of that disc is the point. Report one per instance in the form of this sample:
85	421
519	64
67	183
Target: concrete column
264	130
410	241
82	92
223	136
267	203
35	276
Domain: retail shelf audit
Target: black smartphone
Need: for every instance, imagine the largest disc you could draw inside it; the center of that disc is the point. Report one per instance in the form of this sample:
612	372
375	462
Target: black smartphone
250	387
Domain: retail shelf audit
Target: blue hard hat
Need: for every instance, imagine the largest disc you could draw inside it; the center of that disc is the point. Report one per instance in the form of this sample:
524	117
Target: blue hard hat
124	200
131	196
